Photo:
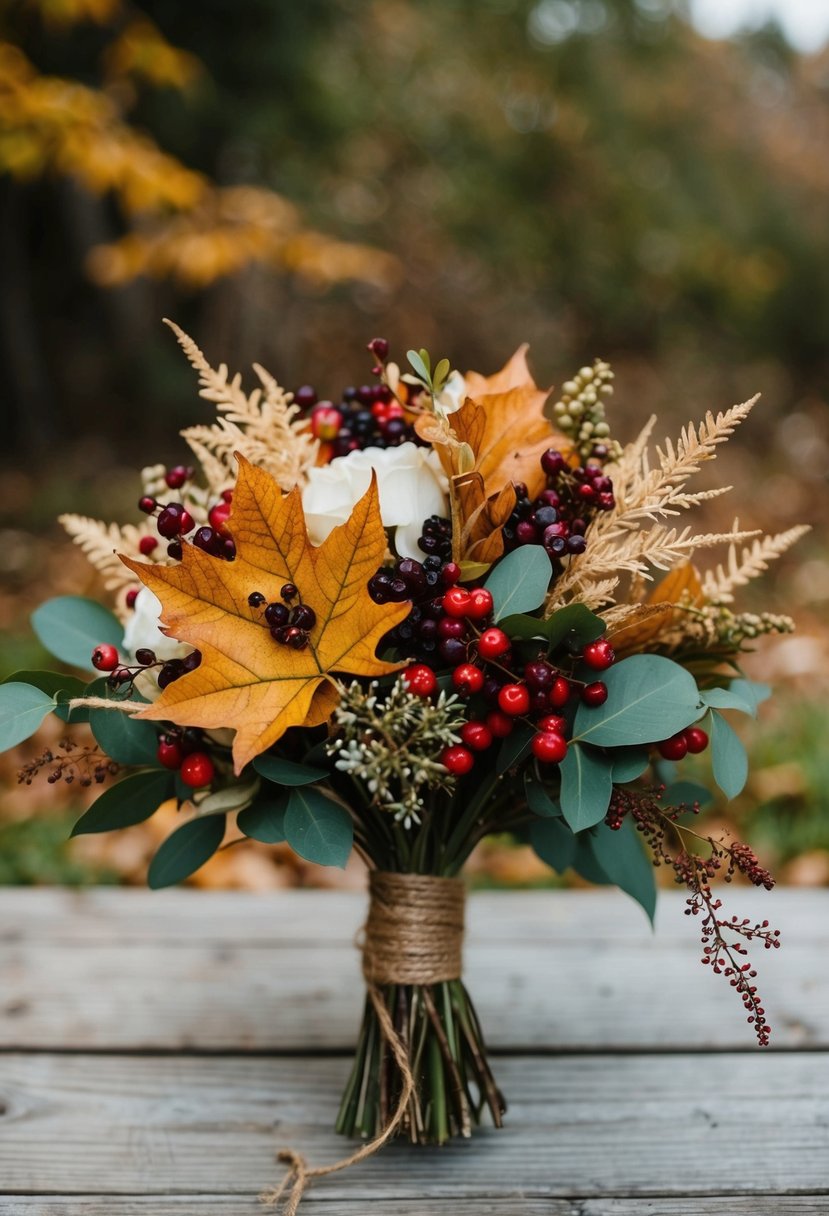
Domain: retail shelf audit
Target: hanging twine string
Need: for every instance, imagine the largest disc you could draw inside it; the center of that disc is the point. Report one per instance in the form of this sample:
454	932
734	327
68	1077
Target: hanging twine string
413	935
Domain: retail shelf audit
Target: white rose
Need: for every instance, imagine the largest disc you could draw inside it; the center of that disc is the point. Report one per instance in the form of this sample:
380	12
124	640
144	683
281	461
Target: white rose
142	629
453	394
410	480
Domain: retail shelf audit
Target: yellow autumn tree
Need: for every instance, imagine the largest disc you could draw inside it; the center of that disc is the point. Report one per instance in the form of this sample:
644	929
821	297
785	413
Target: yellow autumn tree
180	224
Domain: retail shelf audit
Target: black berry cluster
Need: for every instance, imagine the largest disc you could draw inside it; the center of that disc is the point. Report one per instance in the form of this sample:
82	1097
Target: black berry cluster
559	517
289	623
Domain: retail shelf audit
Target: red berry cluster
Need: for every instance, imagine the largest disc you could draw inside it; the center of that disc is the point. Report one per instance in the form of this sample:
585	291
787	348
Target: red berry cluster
559	517
484	670
691	741
289	625
184	753
174	522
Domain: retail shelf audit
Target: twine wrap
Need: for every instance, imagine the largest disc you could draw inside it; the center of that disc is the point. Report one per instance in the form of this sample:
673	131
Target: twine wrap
413	935
414	931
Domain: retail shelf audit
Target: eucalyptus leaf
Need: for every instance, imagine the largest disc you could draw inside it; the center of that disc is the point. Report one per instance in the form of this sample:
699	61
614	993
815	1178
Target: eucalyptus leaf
70	627
575	624
586	786
317	828
514	748
621	856
125	739
287	772
60	687
629	763
131	801
752	691
22	709
519	582
417	362
538	799
727	698
186	850
265	819
649	698
554	843
729	759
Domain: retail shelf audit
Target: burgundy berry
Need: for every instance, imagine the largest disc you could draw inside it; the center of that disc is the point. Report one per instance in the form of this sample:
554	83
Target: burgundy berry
499	723
176	477
451	573
452	651
145	657
147	504
674	748
169	753
451	627
599	655
121	675
256	599
379	347
191	661
289	592
276	615
169	522
303	617
526	533
296	638
594	694
105	657
131	597
539	674
552	462
305	396
174	550
696	738
205	539
147	544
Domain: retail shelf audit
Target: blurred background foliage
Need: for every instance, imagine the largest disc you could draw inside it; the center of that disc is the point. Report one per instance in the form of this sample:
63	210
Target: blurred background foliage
287	180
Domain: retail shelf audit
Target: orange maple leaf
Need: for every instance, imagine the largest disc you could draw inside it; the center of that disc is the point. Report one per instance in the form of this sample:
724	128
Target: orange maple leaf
246	680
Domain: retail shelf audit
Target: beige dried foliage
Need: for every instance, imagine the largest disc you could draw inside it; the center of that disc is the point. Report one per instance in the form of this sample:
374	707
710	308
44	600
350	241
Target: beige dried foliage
631	540
742	566
262	425
103	542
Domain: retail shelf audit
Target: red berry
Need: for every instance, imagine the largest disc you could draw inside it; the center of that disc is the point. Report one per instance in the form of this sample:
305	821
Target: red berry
549	747
594	694
226	496
105	657
553	723
218	516
674	748
147	504
169	753
420	680
560	692
468	678
197	770
458	760
599	655
450	573
325	421
514	699
457	601
476	735
131	596
379	347
481	604
147	544
186	523
500	724
696	738
177	476
169	521
492	643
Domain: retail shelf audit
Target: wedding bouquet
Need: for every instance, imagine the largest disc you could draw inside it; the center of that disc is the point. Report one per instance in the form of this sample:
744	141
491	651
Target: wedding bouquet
441	607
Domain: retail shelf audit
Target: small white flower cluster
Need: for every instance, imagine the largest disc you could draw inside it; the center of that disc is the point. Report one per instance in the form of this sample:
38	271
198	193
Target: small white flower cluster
391	742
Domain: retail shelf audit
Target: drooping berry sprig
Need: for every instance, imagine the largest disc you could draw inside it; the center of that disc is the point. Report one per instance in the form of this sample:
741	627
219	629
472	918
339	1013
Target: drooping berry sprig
84	763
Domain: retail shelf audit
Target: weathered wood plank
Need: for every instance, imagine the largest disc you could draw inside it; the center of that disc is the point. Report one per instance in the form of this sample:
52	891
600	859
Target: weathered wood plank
120	915
191	980
586	1126
220	1205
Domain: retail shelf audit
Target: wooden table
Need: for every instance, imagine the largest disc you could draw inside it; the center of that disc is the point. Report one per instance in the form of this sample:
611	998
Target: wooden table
155	1049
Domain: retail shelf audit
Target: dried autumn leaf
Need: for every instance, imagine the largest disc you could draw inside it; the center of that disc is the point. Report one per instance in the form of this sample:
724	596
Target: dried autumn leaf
247	680
645	623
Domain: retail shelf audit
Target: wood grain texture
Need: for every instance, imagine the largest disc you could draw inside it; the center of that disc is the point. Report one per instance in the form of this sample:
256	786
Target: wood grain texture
181	970
578	1127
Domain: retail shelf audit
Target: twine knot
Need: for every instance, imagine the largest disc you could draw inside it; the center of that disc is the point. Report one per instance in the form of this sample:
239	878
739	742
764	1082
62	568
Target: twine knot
413	935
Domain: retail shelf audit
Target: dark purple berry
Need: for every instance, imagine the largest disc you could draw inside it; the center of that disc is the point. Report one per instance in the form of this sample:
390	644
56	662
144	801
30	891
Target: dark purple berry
256	599
276	615
303	617
145	656
289	592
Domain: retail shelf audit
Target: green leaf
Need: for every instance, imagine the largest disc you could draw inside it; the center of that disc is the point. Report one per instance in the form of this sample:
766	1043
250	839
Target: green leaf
622	857
586	786
58	686
686	793
575	624
629	763
554	843
131	801
265	820
585	863
538	800
514	748
751	691
22	709
124	739
441	374
649	698
471	571
188	848
317	828
727	698
730	762
287	772
232	798
419	364
519	582
70	627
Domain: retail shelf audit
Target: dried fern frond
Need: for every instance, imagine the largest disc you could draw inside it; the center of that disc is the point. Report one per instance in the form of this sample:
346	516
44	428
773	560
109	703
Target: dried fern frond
740	568
103	542
262	425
